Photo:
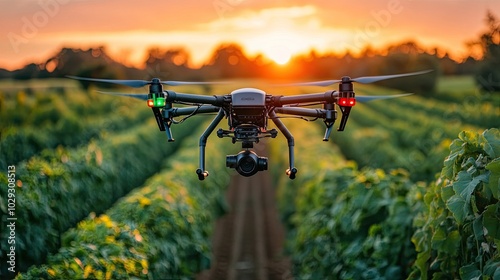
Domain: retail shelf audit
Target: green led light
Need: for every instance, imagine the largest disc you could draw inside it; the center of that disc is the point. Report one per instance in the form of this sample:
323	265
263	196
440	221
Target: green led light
160	102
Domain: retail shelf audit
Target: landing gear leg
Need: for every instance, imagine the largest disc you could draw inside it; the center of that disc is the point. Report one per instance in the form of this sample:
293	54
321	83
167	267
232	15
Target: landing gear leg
202	173
291	171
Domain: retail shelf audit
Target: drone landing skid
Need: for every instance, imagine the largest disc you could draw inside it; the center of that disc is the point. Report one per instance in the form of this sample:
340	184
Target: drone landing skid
202	173
159	118
291	171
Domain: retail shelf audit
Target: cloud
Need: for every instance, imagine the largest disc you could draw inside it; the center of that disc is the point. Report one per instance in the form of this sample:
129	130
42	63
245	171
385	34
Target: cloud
261	19
251	19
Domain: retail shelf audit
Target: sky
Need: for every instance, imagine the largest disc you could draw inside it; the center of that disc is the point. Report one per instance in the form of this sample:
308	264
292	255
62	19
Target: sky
33	30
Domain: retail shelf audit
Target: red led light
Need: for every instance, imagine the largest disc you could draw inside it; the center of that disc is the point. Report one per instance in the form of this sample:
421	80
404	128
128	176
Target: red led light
348	102
151	103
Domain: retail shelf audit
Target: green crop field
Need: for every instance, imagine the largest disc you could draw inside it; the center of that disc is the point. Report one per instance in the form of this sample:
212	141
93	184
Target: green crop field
99	193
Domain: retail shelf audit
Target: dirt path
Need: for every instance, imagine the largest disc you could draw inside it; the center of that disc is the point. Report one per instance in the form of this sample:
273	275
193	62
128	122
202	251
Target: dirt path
248	241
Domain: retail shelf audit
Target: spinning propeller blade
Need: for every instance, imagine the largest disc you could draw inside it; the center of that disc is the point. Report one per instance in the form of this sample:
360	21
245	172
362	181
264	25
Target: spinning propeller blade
179	83
318	83
363	99
140	83
129	83
362	80
373	79
141	96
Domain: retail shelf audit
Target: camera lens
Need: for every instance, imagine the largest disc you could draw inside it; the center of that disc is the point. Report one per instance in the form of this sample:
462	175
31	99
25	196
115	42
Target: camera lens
247	164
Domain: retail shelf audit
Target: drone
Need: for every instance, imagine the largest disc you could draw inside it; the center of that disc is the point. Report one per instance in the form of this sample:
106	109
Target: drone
248	111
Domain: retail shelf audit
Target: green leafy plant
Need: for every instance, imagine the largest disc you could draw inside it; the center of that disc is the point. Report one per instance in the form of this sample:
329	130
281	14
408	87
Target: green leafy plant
459	234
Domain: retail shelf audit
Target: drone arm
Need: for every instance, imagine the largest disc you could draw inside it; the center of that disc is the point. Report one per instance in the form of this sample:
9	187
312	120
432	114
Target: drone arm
172	96
305	112
291	171
175	112
202	173
328	97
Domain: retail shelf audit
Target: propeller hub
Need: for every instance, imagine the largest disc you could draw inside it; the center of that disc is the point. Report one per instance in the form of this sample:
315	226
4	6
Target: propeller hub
155	86
346	85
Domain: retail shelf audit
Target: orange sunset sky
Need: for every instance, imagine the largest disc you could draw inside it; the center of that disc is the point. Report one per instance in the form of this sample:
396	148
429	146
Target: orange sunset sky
33	30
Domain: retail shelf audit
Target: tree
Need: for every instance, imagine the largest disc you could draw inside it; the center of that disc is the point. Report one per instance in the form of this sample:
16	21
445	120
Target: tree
488	74
168	64
405	58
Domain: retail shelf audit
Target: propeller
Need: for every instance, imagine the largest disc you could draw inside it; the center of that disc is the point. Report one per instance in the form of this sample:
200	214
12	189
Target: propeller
364	98
362	80
359	98
141	96
140	83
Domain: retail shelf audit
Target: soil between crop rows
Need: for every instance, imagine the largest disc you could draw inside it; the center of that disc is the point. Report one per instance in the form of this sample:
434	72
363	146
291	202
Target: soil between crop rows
248	241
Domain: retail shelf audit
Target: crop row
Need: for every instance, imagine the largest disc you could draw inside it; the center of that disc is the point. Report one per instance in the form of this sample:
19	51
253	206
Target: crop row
468	107
413	132
408	123
311	166
59	187
45	120
379	147
20	143
40	109
408	138
160	231
346	223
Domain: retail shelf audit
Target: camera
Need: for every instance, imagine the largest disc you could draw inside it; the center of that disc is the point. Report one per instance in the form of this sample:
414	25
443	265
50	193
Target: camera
247	163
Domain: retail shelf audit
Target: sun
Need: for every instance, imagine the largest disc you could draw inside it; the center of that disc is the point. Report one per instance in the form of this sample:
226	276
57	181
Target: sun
279	54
